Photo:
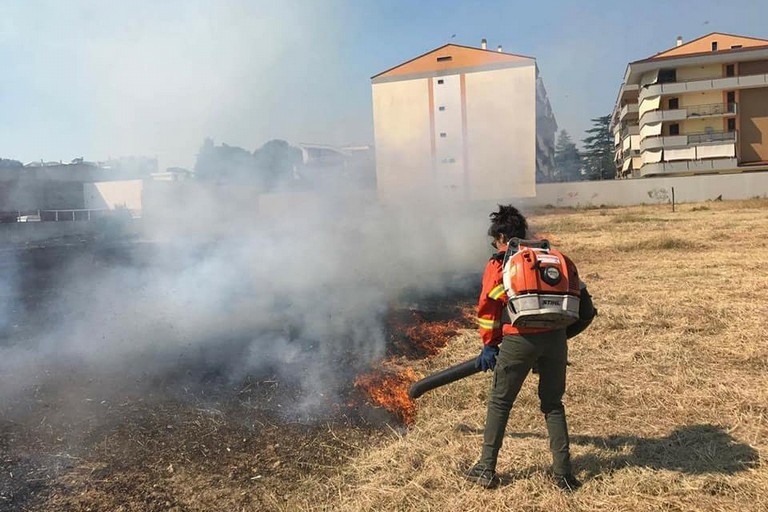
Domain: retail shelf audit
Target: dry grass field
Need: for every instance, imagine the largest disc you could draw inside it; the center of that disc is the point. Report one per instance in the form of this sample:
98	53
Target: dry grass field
667	402
667	396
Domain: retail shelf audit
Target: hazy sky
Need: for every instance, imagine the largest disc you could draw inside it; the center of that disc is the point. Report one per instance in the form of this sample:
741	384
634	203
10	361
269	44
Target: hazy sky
101	78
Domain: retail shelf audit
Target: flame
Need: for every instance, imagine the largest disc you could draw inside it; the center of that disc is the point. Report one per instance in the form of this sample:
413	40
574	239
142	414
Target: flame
410	332
412	336
389	389
430	337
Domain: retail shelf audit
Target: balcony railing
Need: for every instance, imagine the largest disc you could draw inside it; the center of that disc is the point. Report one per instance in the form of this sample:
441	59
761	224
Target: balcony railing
704	84
630	130
712	109
629	108
691	112
688	166
681	141
699	138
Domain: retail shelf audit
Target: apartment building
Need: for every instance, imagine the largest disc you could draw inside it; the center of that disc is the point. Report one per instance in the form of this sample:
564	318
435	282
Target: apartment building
461	122
699	107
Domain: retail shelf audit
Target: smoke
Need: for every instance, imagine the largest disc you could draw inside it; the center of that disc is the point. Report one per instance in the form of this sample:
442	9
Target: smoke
299	291
8	287
225	281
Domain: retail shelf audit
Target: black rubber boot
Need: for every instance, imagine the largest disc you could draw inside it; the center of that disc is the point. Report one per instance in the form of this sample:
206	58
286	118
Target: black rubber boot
482	476
567	483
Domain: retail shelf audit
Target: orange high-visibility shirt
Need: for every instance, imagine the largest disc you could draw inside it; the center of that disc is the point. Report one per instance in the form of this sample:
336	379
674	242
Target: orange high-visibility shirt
493	300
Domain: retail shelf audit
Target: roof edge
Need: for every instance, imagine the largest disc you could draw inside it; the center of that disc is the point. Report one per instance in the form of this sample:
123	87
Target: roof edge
655	55
445	46
699	54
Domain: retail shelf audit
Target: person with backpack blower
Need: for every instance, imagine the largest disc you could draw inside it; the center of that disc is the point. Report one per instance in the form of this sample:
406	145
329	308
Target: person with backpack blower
528	338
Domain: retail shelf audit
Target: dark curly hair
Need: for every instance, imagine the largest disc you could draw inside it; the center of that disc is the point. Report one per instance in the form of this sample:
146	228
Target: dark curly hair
508	221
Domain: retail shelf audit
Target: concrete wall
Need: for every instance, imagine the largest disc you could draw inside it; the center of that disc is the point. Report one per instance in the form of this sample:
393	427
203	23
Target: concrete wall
651	190
30	194
109	195
692	99
753	119
699	72
401	118
481	146
501	132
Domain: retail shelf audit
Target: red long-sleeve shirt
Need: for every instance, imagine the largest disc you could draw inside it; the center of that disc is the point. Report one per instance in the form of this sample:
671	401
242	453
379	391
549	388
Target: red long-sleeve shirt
493	300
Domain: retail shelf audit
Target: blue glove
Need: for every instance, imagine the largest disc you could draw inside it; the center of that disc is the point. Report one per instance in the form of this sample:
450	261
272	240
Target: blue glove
487	358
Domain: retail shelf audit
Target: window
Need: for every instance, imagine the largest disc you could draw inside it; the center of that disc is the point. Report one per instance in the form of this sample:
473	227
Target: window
731	124
714	46
674	129
449	160
441	108
735	46
730	70
443	135
440	82
731	97
674	103
444	59
667	75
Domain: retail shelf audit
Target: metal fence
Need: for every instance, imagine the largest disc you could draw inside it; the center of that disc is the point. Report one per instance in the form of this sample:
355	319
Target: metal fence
71	215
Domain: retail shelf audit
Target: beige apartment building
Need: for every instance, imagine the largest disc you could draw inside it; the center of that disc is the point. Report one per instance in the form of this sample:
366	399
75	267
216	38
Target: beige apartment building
460	122
699	107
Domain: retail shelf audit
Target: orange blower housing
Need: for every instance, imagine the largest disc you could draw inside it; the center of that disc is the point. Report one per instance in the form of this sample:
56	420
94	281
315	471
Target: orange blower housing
542	285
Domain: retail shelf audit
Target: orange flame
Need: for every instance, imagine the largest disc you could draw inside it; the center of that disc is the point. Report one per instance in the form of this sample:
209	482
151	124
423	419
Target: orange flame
410	331
432	336
389	389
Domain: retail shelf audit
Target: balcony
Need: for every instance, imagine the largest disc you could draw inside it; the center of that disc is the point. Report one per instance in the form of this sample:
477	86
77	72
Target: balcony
669	141
712	109
657	116
630	130
690	139
691	112
706	84
689	167
700	138
629	108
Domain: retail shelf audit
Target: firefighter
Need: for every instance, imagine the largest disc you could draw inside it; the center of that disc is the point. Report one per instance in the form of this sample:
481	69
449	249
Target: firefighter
510	352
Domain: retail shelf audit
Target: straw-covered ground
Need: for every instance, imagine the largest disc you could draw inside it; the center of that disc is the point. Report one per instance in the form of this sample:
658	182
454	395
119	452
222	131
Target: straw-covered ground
667	396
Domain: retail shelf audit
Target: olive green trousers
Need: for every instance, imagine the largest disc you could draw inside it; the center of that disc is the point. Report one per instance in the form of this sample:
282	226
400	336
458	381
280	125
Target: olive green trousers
517	355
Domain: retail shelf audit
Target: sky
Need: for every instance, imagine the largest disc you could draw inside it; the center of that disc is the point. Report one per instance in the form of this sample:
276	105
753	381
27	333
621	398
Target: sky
107	78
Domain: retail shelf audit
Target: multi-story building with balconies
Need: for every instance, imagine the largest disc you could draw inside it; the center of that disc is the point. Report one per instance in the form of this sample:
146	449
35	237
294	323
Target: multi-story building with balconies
699	107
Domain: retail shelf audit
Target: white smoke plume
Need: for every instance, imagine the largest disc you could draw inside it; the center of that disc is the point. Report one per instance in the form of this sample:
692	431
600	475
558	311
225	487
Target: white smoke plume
222	282
301	290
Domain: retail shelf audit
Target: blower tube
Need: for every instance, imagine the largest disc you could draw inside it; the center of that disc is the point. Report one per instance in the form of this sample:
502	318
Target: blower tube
587	312
442	378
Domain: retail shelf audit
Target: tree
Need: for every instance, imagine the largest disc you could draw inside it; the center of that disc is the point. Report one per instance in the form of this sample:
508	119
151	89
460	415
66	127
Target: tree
10	169
276	161
598	150
567	159
269	167
7	163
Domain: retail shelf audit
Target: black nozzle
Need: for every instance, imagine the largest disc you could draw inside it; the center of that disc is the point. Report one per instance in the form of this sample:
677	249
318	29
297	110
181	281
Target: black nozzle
442	378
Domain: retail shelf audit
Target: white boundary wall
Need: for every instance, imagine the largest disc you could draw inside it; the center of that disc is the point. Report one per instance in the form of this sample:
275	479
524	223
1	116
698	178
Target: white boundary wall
688	189
109	195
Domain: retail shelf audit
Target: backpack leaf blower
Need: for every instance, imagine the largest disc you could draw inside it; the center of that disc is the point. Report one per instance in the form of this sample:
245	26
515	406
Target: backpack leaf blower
587	312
